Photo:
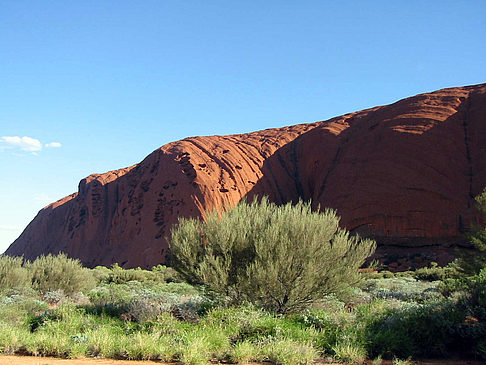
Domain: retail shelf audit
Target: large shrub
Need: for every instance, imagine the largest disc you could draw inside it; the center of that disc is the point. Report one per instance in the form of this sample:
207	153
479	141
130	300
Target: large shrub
51	273
281	258
470	263
12	273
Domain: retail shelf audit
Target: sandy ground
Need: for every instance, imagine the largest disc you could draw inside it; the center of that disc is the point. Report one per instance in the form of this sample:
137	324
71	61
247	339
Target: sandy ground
32	360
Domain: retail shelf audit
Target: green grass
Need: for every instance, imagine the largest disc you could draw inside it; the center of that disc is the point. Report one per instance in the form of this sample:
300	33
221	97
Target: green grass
350	353
176	322
289	352
246	351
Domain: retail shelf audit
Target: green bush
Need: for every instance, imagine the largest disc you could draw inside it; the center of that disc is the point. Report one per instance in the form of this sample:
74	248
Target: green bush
404	289
470	263
245	352
430	329
476	290
50	273
12	273
349	353
282	258
435	272
15	307
119	275
166	274
142	302
288	352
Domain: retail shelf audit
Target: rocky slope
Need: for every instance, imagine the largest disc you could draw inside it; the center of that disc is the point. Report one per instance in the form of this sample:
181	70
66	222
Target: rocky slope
405	174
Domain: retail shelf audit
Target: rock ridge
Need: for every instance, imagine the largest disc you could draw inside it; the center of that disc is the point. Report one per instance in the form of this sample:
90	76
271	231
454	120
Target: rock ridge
402	172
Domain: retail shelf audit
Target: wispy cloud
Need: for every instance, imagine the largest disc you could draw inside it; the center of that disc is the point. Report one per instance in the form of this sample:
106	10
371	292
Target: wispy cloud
53	145
10	228
25	144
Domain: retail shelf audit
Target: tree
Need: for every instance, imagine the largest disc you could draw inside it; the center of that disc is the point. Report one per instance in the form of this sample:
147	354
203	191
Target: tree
281	258
471	263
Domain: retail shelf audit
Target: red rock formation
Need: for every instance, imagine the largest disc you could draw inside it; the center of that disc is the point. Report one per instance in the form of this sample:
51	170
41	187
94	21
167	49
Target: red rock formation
403	172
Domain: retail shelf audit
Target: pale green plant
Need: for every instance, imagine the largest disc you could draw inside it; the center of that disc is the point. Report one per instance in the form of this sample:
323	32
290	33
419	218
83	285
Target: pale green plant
245	352
282	258
288	352
196	351
12	273
50	273
349	353
377	361
397	361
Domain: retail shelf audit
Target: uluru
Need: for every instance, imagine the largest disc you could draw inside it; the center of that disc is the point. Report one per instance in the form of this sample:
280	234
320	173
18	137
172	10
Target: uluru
405	174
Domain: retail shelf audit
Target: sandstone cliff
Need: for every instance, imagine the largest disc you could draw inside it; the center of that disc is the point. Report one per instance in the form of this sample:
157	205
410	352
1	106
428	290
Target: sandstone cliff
406	172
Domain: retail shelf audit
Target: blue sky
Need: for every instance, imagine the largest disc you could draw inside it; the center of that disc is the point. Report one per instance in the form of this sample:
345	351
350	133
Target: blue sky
97	85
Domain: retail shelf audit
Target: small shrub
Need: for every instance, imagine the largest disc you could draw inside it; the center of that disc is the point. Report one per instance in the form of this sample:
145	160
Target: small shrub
471	263
178	288
18	303
50	273
12	339
349	353
404	289
147	305
288	352
14	311
189	309
481	349
196	351
142	302
12	273
148	346
435	272
415	330
475	287
397	361
245	352
101	274
166	274
377	361
118	275
54	297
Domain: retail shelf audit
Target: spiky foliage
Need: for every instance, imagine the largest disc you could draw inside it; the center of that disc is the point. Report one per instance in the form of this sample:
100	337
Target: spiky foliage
281	258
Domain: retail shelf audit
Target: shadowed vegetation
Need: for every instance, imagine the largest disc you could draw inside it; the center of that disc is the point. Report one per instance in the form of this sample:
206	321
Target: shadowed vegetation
55	307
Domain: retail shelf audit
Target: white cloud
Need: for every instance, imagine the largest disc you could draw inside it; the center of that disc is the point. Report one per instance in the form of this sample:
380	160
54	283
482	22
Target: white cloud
53	145
27	144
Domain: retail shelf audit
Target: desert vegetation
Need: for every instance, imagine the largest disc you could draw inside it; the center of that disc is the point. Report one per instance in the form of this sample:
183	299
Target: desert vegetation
229	297
280	258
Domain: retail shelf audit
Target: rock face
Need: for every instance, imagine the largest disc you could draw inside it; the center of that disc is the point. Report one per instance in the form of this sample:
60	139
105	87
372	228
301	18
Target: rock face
405	174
